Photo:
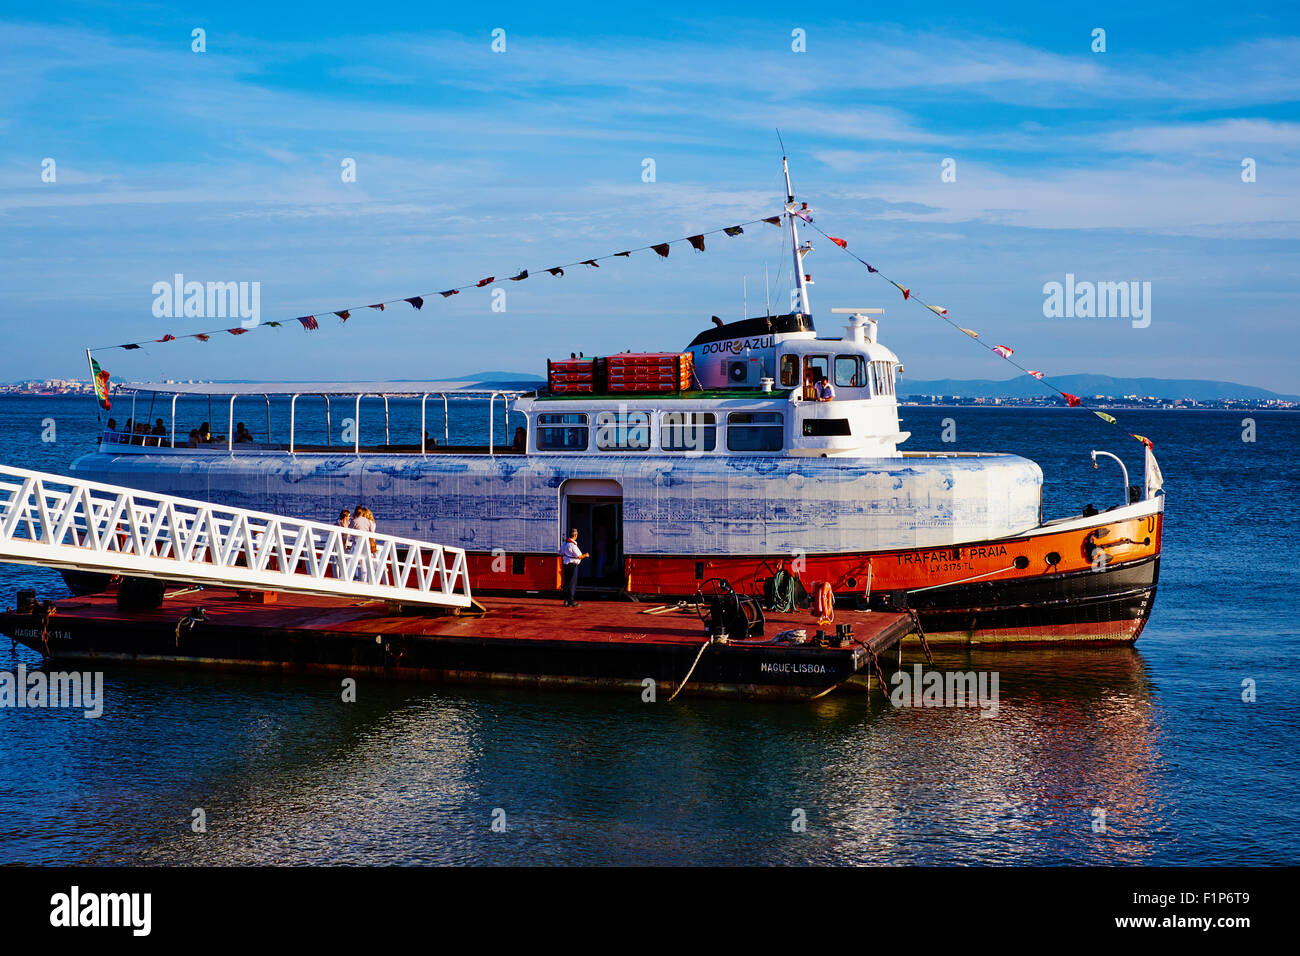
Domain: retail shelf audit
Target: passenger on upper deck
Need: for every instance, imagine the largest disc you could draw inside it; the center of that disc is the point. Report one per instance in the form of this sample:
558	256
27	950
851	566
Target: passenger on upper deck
159	428
195	439
242	434
521	439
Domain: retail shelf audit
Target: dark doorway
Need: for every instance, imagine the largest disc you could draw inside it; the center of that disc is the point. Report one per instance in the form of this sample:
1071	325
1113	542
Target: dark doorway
599	522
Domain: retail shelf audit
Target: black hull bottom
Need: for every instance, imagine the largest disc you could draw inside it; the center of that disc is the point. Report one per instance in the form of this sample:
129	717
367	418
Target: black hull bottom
1087	607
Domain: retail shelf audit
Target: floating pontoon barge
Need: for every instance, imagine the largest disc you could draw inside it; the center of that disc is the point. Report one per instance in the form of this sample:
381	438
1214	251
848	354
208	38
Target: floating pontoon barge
534	642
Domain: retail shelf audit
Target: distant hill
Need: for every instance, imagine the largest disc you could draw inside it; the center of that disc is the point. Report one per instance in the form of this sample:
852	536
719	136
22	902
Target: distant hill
1087	386
496	377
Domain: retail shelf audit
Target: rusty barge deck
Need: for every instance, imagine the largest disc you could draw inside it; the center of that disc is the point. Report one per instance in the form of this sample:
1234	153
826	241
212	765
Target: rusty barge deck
522	641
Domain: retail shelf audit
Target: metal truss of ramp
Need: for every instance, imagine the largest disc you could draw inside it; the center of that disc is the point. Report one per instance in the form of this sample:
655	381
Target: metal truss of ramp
61	522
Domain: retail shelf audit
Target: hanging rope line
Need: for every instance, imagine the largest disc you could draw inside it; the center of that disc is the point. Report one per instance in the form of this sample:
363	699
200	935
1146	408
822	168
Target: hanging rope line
1002	351
310	323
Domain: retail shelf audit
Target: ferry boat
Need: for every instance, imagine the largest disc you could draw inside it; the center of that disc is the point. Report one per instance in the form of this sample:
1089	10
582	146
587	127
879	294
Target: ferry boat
681	470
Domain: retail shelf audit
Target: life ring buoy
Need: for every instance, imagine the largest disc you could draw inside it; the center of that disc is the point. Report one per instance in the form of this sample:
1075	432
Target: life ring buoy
824	604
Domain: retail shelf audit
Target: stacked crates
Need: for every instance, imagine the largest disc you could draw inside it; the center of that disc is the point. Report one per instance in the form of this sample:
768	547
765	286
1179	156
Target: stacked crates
572	376
649	372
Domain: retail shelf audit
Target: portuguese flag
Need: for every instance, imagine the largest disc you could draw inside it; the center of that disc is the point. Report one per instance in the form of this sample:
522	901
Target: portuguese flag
100	379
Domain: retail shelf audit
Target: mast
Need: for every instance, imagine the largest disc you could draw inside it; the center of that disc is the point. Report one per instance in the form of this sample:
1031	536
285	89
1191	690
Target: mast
800	282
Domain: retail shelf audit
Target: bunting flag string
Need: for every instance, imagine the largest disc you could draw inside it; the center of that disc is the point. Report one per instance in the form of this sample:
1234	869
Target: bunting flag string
1004	352
310	323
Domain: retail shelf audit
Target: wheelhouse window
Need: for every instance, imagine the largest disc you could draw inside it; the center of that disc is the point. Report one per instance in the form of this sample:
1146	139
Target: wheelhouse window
850	371
814	367
562	432
882	378
623	431
789	371
755	431
689	431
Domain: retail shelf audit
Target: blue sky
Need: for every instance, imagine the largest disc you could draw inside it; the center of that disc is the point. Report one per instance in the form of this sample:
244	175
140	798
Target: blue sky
225	166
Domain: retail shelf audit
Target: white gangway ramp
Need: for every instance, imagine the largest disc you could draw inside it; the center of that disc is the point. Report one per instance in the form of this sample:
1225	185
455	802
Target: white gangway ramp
61	522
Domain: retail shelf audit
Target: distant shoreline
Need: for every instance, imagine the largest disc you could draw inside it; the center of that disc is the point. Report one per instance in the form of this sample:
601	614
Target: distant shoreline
1175	405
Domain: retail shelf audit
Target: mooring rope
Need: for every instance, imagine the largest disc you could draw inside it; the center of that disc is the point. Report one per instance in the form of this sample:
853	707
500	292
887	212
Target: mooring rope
703	647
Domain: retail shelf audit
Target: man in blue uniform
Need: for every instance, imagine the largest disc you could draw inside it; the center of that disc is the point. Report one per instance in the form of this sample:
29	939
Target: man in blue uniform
572	556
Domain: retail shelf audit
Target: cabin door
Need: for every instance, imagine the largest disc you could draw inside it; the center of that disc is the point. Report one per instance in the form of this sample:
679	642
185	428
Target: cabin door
599	520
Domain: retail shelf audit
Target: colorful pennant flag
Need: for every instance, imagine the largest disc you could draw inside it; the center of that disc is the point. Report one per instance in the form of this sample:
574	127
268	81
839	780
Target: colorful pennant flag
309	323
1004	351
417	301
697	242
488	281
379	306
202	336
842	243
521	277
449	292
661	248
1144	440
1037	375
1072	400
1104	417
344	314
130	347
590	262
938	310
557	271
238	331
907	293
971	332
774	220
733	230
166	338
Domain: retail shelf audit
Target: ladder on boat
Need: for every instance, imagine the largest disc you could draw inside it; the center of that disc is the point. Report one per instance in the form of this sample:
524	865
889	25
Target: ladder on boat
66	523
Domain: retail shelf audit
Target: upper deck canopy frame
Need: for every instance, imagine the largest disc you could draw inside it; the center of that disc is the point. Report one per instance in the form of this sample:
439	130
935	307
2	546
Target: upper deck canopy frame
356	390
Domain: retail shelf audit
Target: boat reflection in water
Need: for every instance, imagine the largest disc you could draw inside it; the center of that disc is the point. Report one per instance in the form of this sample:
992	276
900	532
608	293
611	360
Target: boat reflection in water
413	774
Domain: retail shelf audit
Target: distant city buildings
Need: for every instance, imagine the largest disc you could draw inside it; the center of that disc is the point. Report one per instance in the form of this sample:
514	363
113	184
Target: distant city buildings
62	386
1103	401
51	386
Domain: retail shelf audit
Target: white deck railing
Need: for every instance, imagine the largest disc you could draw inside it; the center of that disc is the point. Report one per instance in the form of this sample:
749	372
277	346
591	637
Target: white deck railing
61	522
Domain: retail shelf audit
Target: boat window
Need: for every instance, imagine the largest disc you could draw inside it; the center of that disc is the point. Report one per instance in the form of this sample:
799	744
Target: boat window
755	431
850	371
689	431
882	377
566	432
814	368
623	431
789	371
